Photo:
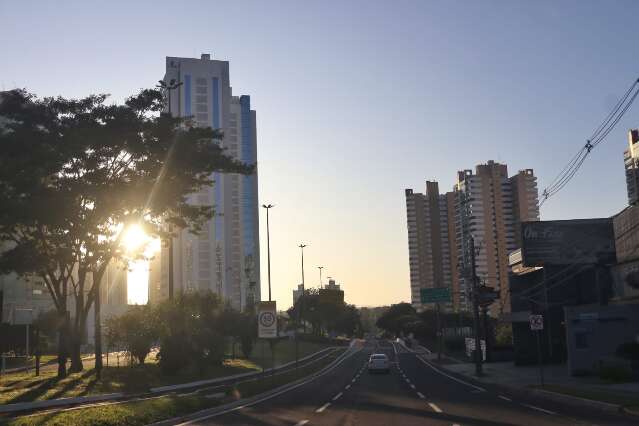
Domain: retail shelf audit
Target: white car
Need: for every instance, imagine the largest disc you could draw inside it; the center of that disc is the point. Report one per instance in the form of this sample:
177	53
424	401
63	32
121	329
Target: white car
378	362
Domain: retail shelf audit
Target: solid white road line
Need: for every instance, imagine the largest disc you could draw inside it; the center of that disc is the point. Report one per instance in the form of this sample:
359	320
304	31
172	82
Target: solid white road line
301	423
435	408
449	376
505	398
323	407
539	409
421	395
338	396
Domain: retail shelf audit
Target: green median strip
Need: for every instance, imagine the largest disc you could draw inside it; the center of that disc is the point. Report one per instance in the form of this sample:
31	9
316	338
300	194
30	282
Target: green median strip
166	407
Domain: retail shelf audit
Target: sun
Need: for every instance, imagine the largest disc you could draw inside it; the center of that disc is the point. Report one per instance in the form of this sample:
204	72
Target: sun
134	237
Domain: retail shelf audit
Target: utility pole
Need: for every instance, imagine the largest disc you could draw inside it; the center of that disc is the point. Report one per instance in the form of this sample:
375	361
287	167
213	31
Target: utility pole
299	310
478	369
170	86
268	248
320	270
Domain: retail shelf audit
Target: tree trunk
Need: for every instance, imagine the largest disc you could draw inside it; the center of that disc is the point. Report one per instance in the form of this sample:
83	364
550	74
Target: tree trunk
76	337
63	344
98	335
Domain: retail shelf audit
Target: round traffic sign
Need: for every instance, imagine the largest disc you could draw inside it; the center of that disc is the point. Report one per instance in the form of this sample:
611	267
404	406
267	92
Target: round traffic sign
267	319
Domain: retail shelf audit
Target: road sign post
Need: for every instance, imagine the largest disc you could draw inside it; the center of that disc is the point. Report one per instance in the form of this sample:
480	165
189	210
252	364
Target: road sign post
436	295
537	325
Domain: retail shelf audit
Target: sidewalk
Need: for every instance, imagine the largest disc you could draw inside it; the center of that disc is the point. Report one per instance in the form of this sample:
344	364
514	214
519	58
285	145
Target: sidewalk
557	382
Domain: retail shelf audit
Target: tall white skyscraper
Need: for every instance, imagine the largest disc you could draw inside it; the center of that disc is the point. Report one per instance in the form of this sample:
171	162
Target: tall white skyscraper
225	257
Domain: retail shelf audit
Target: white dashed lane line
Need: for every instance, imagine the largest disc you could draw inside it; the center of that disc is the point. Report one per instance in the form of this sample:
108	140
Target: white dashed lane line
434	407
412	386
301	423
347	387
505	398
539	409
338	396
323	407
421	395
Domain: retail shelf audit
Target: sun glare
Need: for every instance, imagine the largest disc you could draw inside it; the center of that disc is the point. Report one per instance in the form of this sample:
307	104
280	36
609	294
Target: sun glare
136	240
138	283
134	237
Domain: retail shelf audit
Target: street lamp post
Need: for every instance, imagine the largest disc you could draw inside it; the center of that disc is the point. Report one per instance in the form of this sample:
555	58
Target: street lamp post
268	247
299	310
170	86
320	271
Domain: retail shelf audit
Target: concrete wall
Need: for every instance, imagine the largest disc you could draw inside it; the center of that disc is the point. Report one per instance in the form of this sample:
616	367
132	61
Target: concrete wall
593	333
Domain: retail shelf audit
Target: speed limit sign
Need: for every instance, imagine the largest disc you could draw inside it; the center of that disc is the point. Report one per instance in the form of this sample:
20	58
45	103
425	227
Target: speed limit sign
267	320
536	322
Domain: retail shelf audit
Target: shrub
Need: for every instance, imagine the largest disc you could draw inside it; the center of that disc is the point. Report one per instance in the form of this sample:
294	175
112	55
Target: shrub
455	344
615	373
628	350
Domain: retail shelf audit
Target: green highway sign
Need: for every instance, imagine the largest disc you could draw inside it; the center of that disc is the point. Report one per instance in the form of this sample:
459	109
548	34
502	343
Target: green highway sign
434	295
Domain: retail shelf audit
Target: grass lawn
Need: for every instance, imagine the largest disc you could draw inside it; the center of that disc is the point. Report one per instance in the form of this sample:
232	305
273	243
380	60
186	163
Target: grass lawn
24	361
284	351
153	410
24	386
619	398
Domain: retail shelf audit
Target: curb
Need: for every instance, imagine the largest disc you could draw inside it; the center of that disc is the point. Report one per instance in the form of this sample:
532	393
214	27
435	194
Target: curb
255	399
199	383
61	402
574	401
22	406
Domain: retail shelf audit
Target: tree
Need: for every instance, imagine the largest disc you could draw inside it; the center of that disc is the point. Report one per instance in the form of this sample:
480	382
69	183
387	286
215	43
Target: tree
396	317
75	173
191	332
135	331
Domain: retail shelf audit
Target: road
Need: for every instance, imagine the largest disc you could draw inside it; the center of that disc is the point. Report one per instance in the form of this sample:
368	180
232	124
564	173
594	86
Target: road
414	393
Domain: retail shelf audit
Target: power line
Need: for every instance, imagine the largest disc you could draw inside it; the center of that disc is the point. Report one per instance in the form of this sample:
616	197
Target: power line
598	136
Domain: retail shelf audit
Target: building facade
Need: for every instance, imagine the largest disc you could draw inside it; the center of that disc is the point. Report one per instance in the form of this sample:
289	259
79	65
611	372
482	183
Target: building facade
631	163
224	257
487	206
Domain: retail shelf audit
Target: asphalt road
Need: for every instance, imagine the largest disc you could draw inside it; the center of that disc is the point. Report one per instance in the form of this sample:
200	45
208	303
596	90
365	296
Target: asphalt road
414	393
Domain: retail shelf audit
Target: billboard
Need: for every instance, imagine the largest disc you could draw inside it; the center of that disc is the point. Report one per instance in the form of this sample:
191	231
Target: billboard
566	242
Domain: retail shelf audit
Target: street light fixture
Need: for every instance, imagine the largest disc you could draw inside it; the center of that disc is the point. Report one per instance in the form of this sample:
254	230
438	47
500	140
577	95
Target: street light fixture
320	271
268	247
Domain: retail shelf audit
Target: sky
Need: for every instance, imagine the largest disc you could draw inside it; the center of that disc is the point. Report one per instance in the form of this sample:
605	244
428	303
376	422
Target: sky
358	100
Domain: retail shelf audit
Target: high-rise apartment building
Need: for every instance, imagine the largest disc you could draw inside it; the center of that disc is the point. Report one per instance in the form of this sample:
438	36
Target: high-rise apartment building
224	257
486	205
631	162
428	241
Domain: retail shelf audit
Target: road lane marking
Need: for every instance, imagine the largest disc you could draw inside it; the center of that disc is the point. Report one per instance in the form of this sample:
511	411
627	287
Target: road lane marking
539	409
505	398
407	380
353	381
347	387
421	395
301	423
339	360
412	386
323	407
338	396
451	377
435	408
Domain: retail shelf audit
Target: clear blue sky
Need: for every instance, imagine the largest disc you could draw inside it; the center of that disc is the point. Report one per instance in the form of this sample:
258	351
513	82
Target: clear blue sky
358	100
